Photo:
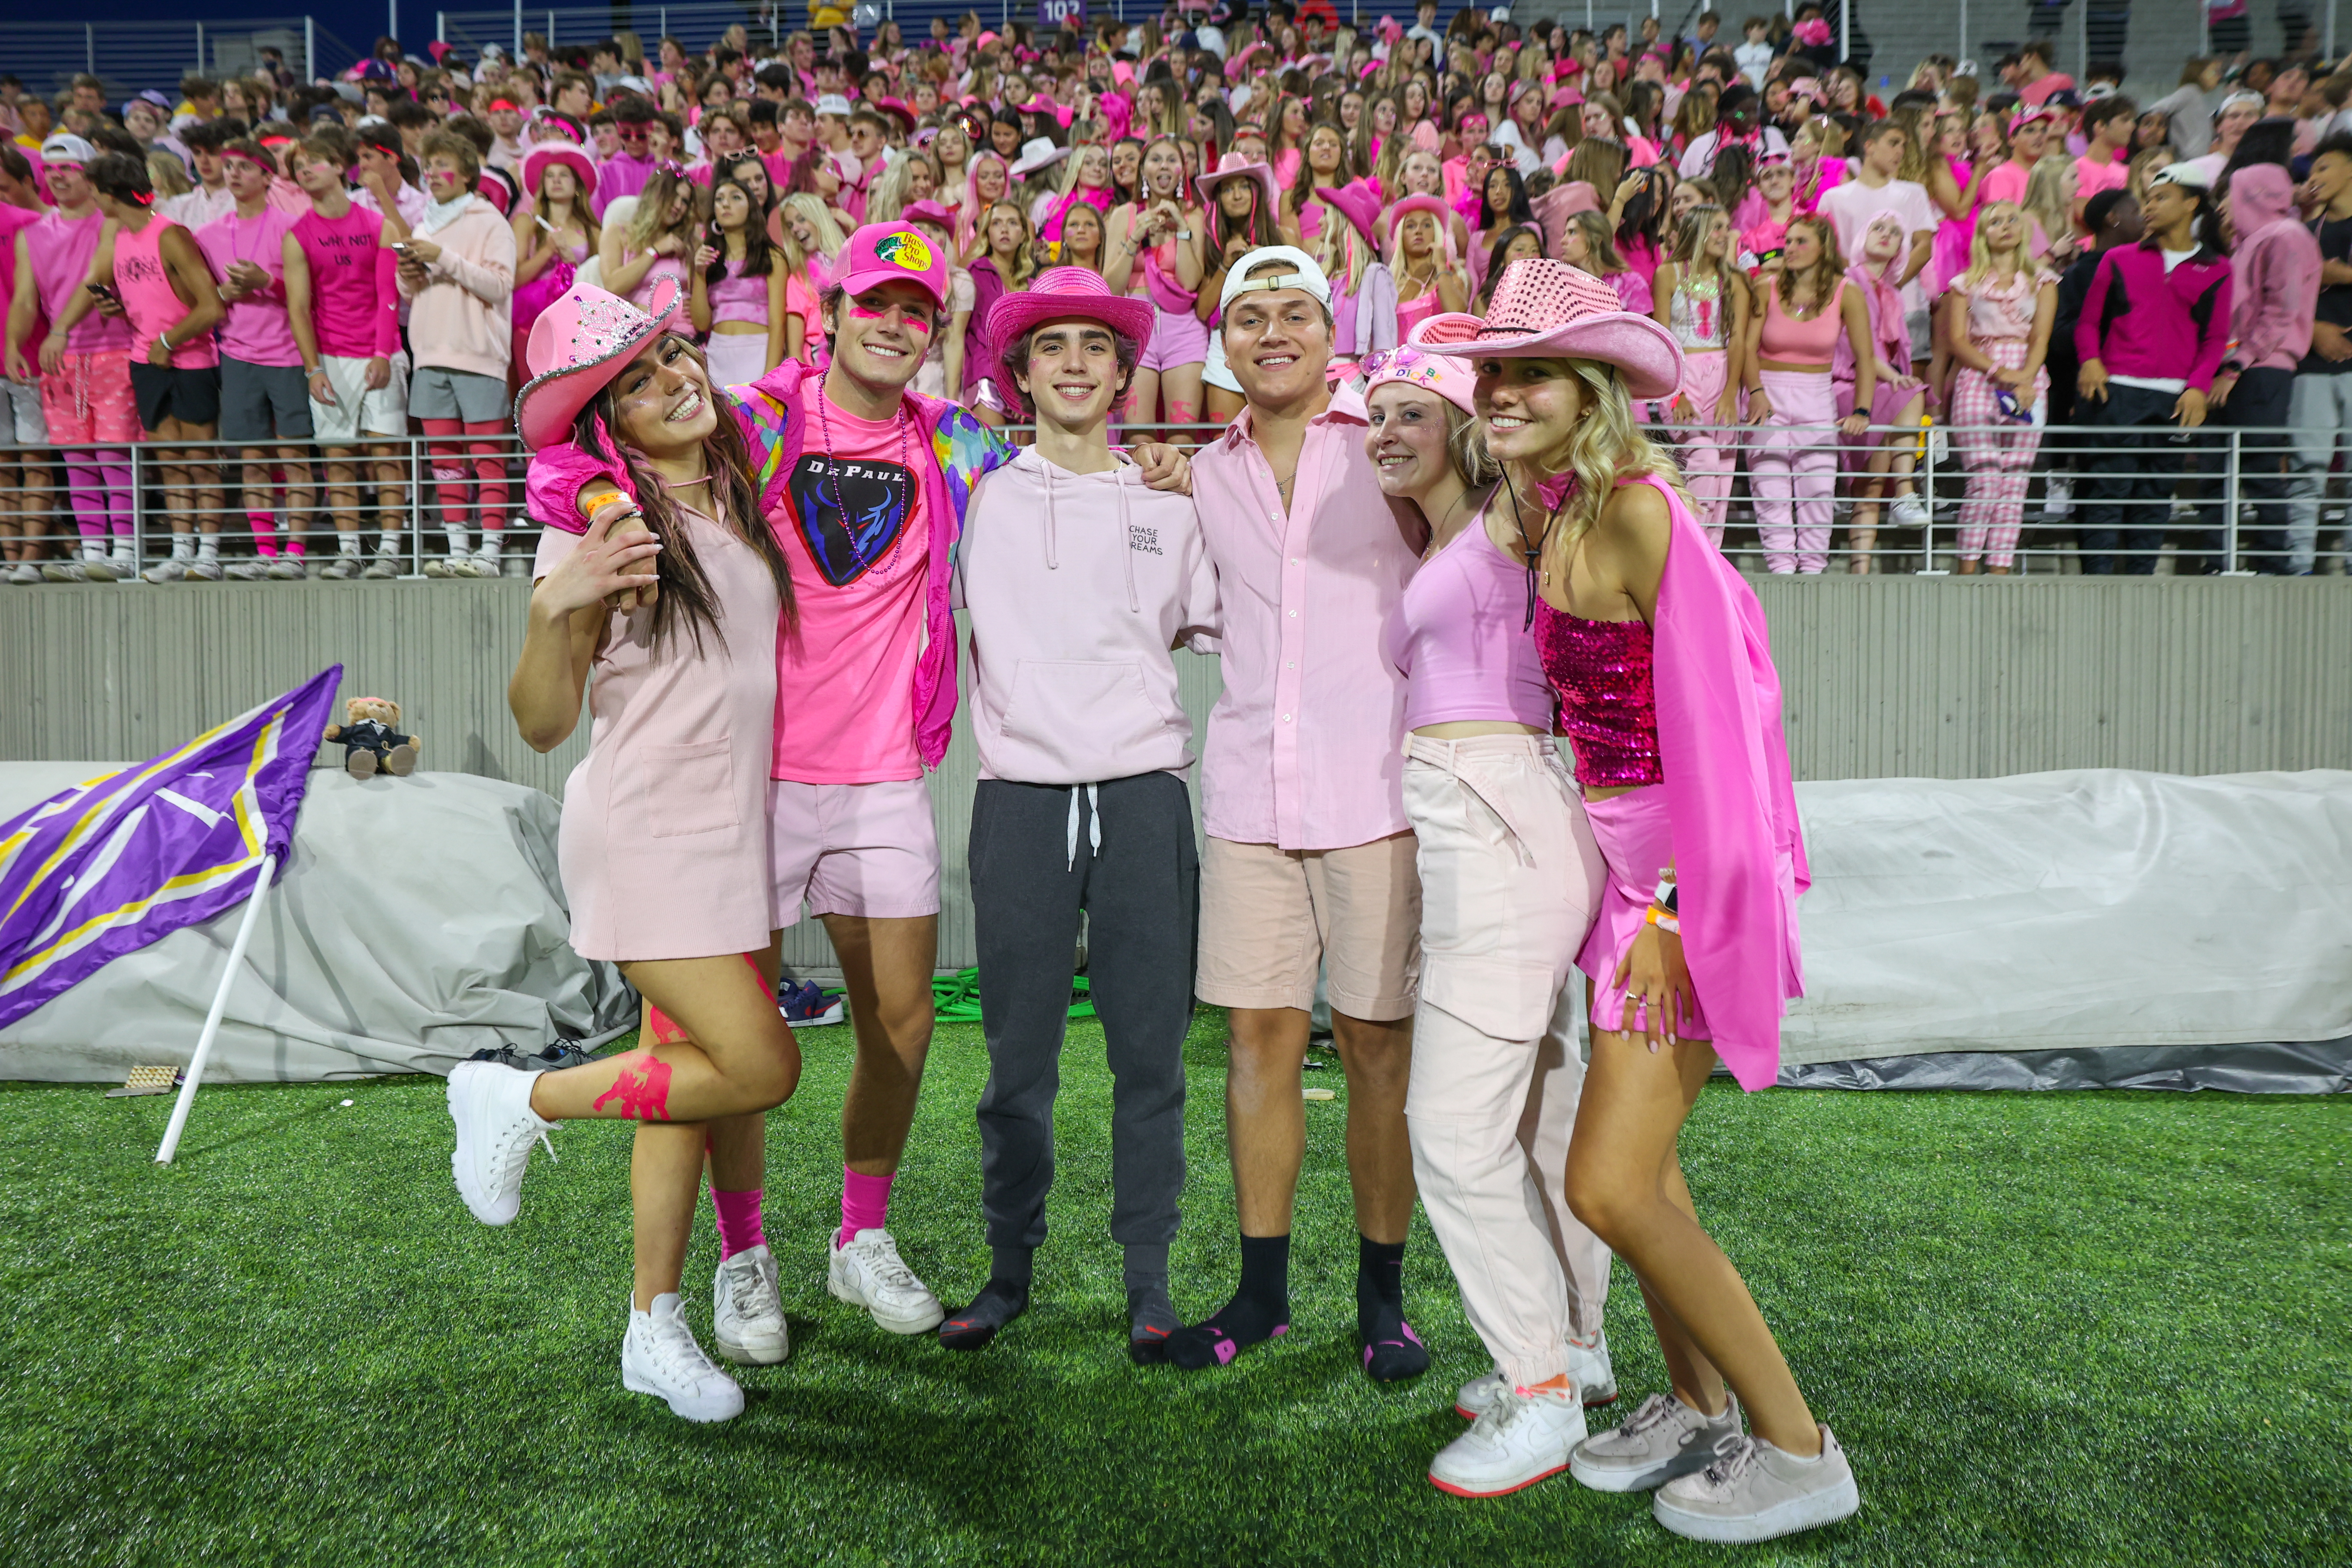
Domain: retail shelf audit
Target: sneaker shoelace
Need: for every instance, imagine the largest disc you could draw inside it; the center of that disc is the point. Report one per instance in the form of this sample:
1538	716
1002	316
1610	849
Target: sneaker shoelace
510	1152
1656	1412
744	1277
1734	1454
881	1259
677	1353
1506	1412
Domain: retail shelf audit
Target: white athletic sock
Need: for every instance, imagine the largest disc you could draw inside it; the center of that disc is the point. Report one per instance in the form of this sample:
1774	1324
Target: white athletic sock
490	546
390	543
208	547
457	550
183	547
347	544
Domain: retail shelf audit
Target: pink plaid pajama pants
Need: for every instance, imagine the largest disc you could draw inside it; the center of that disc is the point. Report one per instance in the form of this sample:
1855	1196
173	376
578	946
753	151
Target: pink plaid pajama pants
2000	462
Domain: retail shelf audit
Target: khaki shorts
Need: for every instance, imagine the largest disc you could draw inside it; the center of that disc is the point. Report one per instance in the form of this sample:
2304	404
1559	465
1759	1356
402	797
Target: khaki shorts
1270	918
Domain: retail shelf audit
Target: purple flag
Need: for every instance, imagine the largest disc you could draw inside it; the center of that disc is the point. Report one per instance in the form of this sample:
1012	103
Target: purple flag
109	865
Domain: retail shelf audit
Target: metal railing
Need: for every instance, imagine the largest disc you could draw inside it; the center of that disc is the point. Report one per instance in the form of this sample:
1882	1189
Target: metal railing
2216	500
129	57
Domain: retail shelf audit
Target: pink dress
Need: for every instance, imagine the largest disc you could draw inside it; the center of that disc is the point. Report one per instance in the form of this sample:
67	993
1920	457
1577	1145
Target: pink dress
663	843
1953	236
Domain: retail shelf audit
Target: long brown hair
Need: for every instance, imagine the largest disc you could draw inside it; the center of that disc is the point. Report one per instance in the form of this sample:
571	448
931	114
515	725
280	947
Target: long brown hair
686	601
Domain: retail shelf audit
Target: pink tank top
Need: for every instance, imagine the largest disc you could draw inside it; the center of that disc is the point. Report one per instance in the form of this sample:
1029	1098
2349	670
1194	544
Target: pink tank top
1460	635
738	298
1411	313
141	278
1794	341
61	248
1608	702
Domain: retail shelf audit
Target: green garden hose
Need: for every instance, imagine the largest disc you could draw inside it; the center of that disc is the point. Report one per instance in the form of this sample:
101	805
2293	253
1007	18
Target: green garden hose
956	997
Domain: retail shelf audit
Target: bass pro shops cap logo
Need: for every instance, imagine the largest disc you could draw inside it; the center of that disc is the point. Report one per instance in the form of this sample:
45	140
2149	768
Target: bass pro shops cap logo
902	249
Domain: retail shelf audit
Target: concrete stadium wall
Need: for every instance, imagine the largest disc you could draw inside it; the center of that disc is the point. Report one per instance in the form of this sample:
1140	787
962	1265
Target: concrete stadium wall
1885	676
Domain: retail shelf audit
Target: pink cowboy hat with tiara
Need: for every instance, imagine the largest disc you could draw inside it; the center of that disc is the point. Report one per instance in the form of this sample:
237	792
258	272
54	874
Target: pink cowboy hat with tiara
577	346
1057	294
1549	310
545	155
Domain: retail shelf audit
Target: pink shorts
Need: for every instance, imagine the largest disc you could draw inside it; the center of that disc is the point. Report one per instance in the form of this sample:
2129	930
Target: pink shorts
1178	338
1636	842
865	849
87	398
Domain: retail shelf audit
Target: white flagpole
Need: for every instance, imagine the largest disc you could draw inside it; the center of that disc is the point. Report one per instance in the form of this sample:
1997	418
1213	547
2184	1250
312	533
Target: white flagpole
212	1020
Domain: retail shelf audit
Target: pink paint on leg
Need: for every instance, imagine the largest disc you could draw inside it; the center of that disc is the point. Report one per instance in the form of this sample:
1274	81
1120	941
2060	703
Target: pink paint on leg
642	1090
865	1204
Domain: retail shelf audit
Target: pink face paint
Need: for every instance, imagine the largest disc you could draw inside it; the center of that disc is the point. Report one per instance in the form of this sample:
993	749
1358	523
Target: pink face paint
642	1089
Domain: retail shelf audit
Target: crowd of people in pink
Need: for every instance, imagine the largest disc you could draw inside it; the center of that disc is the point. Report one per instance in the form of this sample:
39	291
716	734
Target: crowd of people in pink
281	286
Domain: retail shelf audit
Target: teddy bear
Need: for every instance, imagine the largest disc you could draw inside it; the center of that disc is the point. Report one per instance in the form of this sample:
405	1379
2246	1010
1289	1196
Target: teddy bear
371	740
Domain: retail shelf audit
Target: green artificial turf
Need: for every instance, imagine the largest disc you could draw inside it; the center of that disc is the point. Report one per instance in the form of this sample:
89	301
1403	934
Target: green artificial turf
2049	1328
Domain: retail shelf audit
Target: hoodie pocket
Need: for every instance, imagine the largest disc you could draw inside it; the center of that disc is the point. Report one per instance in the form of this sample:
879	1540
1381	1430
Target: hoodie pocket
1095	706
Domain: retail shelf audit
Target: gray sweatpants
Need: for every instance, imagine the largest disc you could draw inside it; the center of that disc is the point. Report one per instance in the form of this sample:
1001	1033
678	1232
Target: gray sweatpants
1127	859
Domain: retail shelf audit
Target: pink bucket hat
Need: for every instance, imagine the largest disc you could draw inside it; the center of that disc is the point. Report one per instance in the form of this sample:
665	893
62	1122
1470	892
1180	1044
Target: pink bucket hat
883	253
1059	293
1549	310
577	346
547	155
1233	164
1409	365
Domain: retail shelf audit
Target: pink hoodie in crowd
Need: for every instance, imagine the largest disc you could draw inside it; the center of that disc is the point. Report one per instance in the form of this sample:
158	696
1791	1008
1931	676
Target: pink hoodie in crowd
2275	272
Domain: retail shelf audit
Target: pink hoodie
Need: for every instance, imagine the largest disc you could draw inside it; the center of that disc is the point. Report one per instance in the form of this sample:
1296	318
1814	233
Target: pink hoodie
1078	587
2275	268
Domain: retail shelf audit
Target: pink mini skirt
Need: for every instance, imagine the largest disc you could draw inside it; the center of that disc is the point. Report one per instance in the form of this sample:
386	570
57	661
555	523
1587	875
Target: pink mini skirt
1636	842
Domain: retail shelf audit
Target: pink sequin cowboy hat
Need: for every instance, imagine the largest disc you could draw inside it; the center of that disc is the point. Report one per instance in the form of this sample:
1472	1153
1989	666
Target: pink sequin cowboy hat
1549	310
1058	294
577	346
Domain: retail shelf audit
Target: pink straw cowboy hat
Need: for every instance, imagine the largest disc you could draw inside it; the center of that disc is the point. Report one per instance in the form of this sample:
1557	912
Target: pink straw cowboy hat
1549	310
1232	165
1057	294
577	346
546	155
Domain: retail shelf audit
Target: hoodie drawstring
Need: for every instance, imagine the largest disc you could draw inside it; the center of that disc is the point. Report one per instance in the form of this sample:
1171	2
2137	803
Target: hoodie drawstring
1094	824
1053	555
1126	542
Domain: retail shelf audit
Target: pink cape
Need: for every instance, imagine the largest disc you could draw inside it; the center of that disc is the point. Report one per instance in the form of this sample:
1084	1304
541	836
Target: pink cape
1739	848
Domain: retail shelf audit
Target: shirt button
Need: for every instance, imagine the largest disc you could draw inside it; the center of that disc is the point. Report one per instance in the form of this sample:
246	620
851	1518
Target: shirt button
1294	615
1285	718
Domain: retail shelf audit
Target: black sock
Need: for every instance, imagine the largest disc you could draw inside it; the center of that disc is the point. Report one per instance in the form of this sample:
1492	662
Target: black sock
1392	1350
1259	1310
998	1302
1151	1321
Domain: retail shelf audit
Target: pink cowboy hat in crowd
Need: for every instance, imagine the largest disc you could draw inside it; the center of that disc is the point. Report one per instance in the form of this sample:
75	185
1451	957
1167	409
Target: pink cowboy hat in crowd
1549	310
1057	294
577	346
1358	202
929	212
546	155
1408	205
898	110
1232	165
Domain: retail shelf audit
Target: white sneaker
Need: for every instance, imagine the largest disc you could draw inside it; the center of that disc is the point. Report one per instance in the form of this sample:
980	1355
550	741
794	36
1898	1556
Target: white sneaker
747	1312
660	1357
1908	511
247	571
1588	1365
1662	1439
2057	495
867	1273
200	570
490	1104
1754	1491
381	567
172	571
289	569
25	572
84	570
1526	1435
341	569
1477	1396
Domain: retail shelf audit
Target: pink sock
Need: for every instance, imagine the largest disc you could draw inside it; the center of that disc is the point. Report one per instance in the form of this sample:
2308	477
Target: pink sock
738	1221
865	1204
264	530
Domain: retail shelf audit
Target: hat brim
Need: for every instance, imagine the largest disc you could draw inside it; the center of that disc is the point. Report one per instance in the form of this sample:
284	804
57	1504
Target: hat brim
1205	185
1644	353
1014	315
1025	168
1337	199
535	164
548	406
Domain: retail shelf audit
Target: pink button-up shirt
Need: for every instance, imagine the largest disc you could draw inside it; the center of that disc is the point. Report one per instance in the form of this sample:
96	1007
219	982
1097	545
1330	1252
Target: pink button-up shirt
1303	745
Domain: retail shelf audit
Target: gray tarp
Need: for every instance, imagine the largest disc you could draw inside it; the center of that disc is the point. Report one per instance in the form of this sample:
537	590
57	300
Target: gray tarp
2074	912
416	922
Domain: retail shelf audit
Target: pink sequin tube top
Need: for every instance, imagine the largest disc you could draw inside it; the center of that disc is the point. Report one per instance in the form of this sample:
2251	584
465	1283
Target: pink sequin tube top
1607	706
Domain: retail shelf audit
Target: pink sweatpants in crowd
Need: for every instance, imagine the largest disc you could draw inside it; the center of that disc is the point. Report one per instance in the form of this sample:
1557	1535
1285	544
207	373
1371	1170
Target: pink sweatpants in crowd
1795	471
1509	876
1705	448
2000	462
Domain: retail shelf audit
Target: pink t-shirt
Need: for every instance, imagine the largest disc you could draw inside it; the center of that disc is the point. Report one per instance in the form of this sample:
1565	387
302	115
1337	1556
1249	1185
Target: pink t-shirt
2005	183
12	219
2091	176
61	249
354	302
845	669
256	329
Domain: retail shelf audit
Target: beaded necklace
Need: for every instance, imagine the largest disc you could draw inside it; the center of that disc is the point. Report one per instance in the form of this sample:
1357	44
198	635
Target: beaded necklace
833	476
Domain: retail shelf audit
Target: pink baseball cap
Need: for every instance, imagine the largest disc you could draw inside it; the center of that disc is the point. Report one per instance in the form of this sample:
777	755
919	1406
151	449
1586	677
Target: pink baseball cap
882	253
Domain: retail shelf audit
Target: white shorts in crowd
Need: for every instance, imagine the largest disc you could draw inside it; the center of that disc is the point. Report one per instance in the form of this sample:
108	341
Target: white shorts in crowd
357	411
22	423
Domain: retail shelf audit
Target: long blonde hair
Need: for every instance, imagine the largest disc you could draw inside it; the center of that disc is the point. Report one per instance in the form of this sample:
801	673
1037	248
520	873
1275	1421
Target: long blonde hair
1606	445
645	224
1982	264
811	206
2047	201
